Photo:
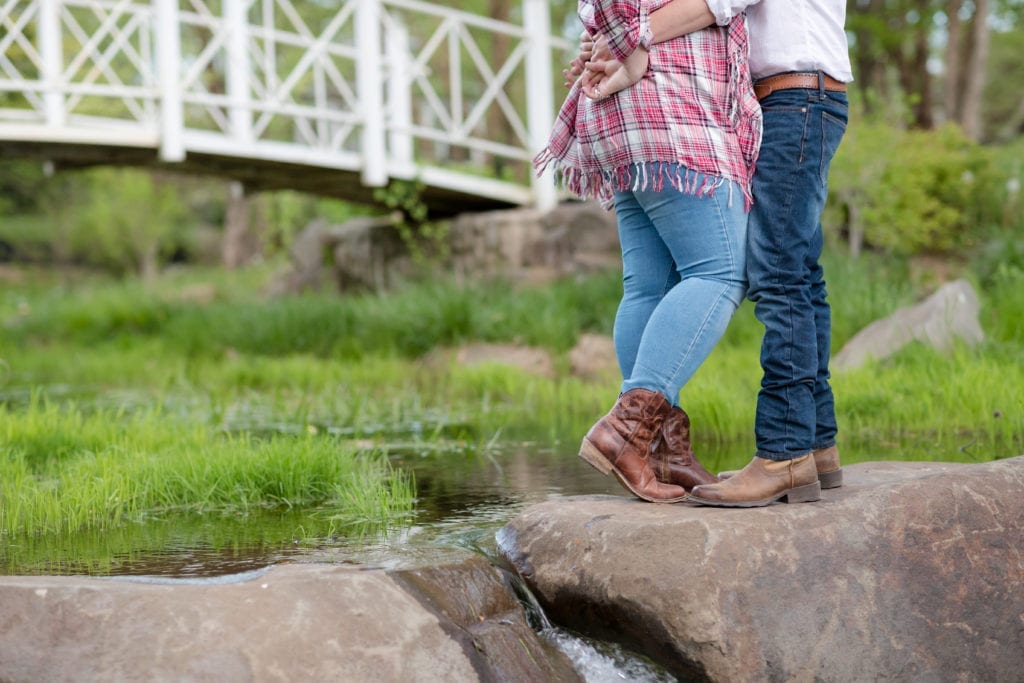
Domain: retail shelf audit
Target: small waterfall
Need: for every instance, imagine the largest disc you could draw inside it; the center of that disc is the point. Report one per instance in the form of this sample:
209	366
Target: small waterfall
595	661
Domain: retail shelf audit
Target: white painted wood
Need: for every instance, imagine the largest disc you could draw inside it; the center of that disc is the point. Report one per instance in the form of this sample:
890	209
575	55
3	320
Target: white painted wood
238	68
399	100
52	52
254	80
371	95
540	104
172	119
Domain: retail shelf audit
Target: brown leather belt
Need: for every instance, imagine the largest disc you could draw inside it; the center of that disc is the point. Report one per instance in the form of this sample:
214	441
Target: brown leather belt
764	87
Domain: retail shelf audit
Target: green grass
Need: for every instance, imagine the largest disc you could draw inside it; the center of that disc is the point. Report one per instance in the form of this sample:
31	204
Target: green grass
65	470
198	398
324	325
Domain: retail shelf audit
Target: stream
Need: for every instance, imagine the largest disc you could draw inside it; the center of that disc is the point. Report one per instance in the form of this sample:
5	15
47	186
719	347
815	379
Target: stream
463	500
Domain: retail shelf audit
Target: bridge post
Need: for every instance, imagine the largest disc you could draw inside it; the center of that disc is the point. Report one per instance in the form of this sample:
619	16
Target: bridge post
399	101
52	53
371	93
539	92
239	88
172	113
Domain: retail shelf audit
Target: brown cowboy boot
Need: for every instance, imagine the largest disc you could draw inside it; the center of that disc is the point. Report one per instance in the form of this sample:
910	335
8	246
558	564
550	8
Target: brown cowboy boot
830	474
762	482
672	457
621	441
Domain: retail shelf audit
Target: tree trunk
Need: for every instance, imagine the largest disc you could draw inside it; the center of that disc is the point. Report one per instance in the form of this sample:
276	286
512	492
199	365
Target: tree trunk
953	83
241	243
925	116
974	71
870	56
149	262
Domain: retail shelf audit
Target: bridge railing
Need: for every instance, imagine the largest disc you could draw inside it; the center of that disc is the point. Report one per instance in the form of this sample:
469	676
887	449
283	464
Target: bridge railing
389	88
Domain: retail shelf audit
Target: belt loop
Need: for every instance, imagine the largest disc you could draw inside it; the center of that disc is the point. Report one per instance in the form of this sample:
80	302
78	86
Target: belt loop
821	83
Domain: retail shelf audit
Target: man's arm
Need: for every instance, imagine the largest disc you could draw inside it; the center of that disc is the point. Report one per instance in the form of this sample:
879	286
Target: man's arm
678	18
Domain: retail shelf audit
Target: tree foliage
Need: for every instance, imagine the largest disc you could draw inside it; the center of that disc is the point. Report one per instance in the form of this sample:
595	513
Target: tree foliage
909	191
126	220
934	57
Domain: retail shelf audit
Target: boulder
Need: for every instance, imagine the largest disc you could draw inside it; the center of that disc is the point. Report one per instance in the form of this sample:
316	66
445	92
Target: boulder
523	246
359	253
594	358
910	571
289	623
949	314
530	359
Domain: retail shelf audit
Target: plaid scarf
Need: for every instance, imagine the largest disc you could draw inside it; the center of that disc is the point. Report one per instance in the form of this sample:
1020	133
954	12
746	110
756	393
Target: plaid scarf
695	107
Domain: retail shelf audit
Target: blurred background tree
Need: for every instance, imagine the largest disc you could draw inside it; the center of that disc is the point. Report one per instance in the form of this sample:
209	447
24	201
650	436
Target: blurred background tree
934	55
931	162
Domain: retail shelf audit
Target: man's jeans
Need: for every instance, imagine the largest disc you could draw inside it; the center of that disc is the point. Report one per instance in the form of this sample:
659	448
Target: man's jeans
795	408
683	277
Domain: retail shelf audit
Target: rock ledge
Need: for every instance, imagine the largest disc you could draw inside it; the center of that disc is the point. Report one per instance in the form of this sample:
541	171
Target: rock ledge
911	571
290	623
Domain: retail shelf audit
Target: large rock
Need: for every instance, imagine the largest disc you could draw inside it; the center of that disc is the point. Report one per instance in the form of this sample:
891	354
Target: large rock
594	358
911	571
366	252
291	623
530	359
949	314
524	246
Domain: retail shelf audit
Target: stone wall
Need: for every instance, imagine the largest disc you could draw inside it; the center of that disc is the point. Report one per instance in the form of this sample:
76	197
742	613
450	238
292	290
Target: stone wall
521	245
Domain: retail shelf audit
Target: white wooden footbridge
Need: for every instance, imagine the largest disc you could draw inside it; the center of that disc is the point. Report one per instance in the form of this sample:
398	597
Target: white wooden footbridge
335	97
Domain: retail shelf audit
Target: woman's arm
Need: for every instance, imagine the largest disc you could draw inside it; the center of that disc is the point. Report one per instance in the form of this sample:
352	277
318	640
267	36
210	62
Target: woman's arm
604	74
620	22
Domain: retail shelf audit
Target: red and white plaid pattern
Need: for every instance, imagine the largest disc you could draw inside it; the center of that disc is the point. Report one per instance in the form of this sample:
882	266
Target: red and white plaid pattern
695	106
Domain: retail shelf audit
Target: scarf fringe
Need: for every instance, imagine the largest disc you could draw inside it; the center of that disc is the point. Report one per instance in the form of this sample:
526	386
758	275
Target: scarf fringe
637	177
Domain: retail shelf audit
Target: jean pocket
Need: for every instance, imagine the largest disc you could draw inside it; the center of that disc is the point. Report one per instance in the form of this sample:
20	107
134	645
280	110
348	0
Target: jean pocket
832	130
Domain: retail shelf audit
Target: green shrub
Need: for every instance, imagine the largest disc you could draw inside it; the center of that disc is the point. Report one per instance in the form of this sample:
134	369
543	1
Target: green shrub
912	191
127	220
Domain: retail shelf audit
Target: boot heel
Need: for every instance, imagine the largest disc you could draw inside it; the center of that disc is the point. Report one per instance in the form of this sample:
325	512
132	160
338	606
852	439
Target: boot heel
804	494
831	480
594	458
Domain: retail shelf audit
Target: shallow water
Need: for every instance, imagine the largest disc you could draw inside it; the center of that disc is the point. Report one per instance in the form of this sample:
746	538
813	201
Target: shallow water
464	497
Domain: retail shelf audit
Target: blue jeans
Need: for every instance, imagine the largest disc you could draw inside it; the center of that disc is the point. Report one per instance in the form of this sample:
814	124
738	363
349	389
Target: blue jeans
795	407
683	277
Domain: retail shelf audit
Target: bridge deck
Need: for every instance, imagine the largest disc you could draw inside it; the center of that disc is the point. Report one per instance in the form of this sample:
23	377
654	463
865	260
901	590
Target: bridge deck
256	174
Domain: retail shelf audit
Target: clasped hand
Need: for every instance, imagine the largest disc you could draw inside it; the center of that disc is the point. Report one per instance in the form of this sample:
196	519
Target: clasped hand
599	73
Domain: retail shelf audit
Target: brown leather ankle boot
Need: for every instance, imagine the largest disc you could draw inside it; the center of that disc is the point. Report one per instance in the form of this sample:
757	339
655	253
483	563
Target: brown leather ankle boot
672	457
762	482
620	443
830	473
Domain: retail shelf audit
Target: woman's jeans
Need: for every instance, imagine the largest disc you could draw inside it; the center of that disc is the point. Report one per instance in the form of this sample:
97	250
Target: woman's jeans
795	408
683	277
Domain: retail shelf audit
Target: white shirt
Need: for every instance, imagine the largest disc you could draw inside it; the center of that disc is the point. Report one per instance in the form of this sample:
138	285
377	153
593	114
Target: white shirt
792	35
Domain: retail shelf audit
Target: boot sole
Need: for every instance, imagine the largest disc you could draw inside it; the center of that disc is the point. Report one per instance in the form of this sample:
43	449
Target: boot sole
831	480
593	457
828	480
799	494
